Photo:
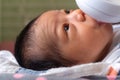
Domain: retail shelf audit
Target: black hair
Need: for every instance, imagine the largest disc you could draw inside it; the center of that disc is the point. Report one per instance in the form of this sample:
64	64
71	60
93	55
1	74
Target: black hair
20	40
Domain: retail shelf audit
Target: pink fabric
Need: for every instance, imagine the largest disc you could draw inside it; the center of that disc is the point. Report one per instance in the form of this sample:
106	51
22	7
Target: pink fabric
18	76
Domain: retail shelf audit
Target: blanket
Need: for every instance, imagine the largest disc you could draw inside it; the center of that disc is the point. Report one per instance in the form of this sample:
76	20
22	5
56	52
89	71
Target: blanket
100	70
35	77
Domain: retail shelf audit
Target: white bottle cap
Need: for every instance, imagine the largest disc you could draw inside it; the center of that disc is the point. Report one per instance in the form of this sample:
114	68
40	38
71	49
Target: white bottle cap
101	10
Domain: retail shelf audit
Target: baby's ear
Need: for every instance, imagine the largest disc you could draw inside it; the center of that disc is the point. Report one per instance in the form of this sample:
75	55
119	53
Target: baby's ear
44	65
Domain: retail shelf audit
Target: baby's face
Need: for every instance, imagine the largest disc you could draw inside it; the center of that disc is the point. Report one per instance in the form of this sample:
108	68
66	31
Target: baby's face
79	36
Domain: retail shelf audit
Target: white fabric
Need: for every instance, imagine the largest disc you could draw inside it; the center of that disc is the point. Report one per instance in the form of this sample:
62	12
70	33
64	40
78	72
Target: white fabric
80	70
8	63
101	10
114	54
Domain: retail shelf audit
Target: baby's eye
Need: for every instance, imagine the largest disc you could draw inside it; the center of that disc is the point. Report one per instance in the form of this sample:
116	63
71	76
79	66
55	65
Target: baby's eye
67	11
66	27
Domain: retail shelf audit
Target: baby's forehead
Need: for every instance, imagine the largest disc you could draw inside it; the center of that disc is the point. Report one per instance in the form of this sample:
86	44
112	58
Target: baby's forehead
47	19
46	23
49	14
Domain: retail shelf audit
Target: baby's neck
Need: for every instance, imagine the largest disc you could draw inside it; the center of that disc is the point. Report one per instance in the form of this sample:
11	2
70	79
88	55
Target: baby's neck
104	52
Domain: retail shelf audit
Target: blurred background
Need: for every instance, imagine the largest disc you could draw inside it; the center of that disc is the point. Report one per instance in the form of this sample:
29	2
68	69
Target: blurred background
15	14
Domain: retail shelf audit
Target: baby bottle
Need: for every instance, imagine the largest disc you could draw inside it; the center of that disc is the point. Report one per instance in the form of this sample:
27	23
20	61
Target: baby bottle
101	10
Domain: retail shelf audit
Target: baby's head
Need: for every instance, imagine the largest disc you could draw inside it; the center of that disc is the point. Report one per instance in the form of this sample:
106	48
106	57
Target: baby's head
62	38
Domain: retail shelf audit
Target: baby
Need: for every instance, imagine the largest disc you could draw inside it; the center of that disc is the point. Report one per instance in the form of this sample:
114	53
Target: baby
63	38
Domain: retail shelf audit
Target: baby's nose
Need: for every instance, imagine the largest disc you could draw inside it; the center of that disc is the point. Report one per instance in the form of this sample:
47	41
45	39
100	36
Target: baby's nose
77	15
